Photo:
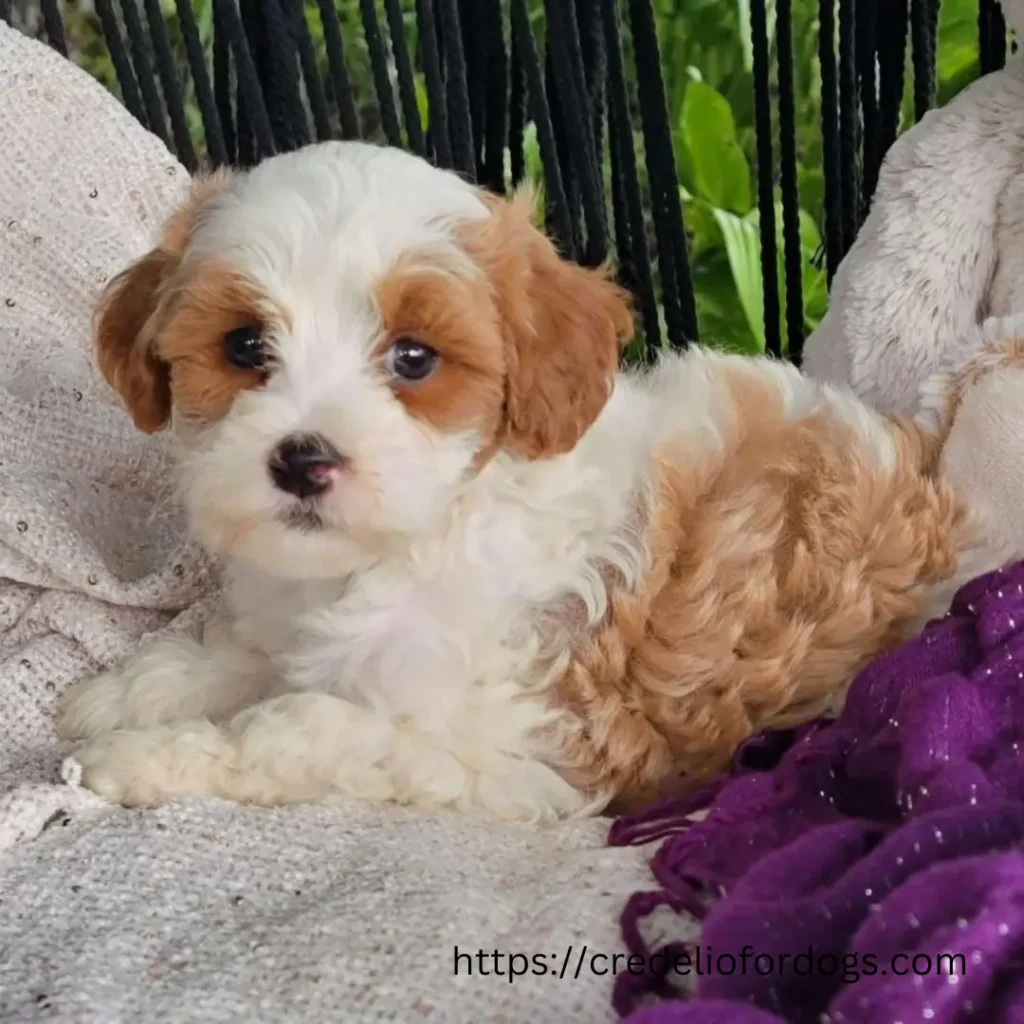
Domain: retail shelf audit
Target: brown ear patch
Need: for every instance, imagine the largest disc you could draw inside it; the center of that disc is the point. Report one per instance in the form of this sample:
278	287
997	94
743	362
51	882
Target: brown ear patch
563	326
123	328
123	350
455	316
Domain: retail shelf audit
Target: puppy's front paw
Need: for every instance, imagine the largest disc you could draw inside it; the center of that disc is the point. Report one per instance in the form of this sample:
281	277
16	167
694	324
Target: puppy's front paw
167	681
146	767
119	766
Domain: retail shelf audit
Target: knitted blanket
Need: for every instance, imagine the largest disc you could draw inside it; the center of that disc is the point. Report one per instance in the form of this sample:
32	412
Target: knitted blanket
203	911
866	870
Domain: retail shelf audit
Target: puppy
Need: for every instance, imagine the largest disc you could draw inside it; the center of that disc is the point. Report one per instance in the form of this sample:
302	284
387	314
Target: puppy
468	564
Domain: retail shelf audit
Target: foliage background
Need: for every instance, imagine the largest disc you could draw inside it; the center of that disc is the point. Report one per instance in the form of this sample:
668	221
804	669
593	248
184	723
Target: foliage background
706	58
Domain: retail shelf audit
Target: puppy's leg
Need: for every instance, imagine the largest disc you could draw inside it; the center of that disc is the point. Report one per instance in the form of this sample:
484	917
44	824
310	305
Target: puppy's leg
312	747
169	680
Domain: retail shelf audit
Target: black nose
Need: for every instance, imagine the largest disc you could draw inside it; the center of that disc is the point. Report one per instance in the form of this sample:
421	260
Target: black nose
302	465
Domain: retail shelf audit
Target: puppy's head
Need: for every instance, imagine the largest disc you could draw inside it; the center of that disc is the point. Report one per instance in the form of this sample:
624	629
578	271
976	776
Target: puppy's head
342	337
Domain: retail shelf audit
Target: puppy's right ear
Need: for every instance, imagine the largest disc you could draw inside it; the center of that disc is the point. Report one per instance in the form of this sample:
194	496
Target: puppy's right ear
125	329
126	342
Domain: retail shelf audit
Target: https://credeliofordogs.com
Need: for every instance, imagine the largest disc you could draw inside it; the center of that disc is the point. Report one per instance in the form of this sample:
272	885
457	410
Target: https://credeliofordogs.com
702	962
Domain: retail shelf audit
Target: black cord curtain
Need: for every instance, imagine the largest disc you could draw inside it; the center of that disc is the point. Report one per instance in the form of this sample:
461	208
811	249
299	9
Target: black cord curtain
590	86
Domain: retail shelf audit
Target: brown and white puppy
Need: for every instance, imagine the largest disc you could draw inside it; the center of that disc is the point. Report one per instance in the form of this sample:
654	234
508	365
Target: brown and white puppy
471	565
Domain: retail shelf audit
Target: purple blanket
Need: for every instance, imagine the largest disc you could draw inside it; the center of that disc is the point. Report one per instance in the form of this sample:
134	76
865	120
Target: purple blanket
896	831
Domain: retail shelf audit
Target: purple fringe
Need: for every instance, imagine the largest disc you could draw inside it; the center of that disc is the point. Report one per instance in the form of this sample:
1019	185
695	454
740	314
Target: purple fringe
897	829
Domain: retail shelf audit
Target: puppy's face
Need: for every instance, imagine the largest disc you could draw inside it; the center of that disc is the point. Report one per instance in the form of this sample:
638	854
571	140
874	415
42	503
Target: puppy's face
342	337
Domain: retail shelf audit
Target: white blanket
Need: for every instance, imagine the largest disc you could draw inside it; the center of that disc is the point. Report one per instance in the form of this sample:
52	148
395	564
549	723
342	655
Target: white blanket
202	911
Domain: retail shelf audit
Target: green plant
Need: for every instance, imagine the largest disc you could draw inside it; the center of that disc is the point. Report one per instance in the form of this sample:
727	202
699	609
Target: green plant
707	56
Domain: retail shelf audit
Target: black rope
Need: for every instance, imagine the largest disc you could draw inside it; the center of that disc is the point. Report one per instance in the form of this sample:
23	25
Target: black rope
460	118
315	94
985	36
248	148
834	243
222	84
474	47
998	37
924	22
565	161
248	154
169	83
341	81
516	115
867	14
119	58
144	70
212	129
848	122
765	178
272	43
406	79
893	25
789	185
437	100
278	74
991	36
595	64
621	227
622	234
54	26
496	112
567	59
667	210
381	77
251	108
440	36
555	193
283	81
634	255
985	61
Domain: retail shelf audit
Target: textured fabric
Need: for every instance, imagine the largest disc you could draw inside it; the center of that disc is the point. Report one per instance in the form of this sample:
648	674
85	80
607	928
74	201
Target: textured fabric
91	546
896	829
205	911
211	912
941	250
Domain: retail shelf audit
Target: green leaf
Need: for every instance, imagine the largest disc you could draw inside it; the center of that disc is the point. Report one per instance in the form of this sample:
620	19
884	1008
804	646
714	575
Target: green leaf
531	155
716	161
746	37
704	233
743	249
815	281
957	50
422	100
723	323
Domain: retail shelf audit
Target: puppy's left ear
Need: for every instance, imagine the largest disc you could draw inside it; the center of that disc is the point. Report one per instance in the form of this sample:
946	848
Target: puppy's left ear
125	347
124	329
564	326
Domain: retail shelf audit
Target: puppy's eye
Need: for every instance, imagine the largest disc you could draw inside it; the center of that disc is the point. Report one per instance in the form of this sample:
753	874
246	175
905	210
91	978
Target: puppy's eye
410	359
245	348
